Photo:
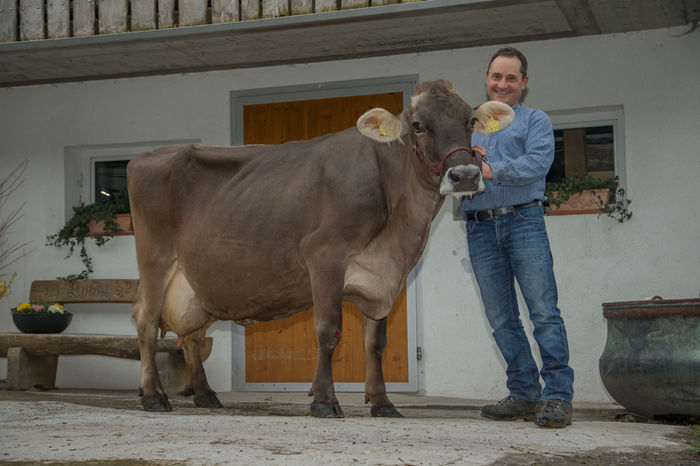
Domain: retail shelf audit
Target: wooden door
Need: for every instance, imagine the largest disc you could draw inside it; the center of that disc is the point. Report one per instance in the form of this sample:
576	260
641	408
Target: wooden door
284	351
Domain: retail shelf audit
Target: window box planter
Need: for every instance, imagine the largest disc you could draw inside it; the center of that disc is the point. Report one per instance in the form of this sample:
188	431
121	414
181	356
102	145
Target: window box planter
123	223
588	201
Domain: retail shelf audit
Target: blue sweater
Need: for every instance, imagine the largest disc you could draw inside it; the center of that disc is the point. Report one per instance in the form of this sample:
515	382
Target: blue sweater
520	156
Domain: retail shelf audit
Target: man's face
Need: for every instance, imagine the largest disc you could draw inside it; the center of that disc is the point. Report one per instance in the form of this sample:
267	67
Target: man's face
504	83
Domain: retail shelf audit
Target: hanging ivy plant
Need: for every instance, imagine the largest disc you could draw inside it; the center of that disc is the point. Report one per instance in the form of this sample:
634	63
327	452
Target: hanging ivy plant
75	231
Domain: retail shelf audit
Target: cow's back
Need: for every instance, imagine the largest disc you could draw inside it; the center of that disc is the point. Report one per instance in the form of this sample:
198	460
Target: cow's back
239	214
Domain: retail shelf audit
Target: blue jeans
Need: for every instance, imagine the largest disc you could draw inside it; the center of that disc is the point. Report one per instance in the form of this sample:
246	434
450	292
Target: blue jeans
516	247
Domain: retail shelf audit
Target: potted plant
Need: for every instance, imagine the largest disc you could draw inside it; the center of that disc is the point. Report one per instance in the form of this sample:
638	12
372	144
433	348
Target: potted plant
583	194
86	222
41	317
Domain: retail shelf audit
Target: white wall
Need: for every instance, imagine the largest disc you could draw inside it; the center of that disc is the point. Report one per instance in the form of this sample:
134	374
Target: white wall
653	75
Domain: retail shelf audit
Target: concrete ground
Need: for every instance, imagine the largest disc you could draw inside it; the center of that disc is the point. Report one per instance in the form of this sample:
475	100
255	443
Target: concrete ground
109	428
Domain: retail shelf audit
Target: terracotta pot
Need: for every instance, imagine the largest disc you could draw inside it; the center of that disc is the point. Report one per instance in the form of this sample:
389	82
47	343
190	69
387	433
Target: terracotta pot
41	322
585	202
123	222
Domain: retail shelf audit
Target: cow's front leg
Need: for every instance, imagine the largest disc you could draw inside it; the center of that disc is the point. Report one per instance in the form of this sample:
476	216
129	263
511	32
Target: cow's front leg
204	396
374	333
327	324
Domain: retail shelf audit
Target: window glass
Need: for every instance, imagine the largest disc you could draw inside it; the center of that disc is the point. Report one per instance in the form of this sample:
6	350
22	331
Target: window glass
581	151
110	181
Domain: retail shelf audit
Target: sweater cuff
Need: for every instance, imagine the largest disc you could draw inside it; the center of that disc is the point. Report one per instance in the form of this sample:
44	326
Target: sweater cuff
497	168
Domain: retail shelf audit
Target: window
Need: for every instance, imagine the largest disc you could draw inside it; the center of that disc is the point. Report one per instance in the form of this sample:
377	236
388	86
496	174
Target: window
588	142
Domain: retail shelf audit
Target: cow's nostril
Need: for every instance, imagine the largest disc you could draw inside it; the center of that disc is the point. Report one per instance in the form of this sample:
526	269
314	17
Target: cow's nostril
454	177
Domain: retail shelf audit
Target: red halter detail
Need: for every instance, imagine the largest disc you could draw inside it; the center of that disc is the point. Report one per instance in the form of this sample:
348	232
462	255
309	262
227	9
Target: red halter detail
437	169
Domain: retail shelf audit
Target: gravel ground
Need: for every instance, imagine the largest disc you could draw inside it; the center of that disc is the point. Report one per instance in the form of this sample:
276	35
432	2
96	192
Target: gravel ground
110	429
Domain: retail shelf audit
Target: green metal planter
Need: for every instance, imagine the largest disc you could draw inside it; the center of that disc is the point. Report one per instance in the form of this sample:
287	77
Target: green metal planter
651	361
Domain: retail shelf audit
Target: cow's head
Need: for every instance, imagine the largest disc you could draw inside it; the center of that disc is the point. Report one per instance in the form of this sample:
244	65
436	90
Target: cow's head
439	126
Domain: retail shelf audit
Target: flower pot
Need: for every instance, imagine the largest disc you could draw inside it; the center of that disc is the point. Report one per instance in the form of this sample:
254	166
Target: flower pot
585	202
41	322
123	222
651	360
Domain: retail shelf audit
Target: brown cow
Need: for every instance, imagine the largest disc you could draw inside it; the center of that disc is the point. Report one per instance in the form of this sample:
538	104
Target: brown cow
256	233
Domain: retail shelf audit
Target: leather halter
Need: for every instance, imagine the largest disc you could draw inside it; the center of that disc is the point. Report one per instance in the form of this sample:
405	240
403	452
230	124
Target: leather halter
437	169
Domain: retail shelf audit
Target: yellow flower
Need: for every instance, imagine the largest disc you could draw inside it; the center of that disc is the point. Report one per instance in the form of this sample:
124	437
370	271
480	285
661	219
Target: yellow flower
56	309
23	306
5	286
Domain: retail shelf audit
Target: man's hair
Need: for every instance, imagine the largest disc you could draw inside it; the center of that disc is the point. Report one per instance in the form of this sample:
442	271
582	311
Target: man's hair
511	52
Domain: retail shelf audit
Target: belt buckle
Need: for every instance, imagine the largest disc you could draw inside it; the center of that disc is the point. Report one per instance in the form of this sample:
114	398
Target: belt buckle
490	214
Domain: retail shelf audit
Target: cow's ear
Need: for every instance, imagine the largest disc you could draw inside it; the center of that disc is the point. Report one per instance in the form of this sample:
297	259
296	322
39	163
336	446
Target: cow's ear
492	116
381	125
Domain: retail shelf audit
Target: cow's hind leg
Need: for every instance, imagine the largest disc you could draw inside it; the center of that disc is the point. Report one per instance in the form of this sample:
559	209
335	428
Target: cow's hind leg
374	333
204	396
153	397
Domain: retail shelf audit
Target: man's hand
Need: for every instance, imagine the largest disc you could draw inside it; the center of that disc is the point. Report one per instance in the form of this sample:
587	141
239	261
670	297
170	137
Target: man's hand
486	172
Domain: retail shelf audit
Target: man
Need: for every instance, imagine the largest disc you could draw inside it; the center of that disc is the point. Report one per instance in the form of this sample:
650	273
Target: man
507	242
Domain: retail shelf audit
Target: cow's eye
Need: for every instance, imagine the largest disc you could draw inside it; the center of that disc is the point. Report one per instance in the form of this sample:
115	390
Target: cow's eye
473	122
417	127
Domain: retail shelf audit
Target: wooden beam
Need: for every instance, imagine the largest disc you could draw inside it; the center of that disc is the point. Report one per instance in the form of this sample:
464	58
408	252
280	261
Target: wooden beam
8	20
224	11
71	344
112	16
275	8
57	18
31	25
192	12
143	15
166	14
83	18
85	291
300	7
579	16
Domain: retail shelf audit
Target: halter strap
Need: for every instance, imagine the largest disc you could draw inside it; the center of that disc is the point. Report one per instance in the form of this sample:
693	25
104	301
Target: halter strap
437	169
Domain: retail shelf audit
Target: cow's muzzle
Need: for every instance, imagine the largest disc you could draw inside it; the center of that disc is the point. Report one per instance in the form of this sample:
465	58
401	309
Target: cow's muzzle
464	180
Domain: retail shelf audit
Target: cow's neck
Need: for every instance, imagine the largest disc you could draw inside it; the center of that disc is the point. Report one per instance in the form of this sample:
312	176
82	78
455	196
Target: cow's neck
413	199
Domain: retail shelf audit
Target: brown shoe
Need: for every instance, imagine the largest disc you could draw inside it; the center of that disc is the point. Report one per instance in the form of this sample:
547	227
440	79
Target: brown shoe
510	409
554	413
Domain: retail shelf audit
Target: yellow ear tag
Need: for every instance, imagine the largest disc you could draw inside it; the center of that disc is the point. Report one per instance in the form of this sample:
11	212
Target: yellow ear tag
382	130
492	126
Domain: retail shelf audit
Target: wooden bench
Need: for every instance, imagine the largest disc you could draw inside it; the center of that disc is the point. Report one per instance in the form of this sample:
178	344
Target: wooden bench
32	359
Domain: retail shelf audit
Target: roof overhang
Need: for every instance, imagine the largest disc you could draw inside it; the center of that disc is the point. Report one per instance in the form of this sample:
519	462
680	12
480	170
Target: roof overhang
363	32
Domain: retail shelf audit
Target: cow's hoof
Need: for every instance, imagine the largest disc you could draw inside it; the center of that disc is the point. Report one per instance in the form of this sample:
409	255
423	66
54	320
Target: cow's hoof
326	410
207	400
384	411
156	403
187	391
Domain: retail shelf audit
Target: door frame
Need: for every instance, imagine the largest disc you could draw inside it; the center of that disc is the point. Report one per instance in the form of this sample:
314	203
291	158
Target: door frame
238	99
